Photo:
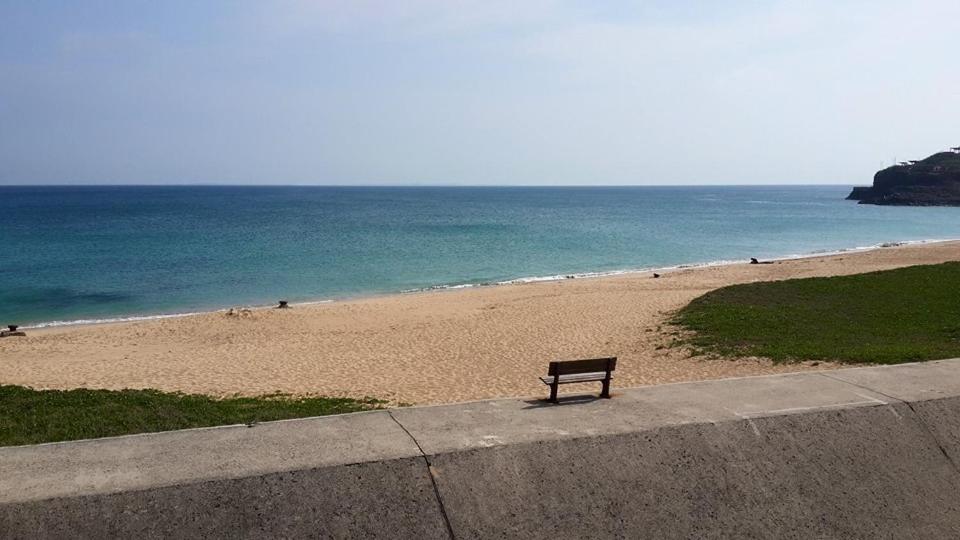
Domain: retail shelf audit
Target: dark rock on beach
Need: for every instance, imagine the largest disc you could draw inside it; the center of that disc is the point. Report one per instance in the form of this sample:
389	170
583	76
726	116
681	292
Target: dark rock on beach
12	330
934	181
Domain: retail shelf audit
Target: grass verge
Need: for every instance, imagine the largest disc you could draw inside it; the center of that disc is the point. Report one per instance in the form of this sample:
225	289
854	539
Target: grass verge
30	416
887	317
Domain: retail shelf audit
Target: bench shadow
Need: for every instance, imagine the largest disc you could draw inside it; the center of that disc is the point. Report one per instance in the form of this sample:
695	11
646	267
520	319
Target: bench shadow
577	399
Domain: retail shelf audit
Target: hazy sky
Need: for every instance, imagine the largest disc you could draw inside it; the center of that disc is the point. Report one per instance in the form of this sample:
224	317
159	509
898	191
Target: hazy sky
473	92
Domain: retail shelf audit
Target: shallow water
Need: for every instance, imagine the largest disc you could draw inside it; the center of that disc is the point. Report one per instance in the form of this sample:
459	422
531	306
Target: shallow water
71	253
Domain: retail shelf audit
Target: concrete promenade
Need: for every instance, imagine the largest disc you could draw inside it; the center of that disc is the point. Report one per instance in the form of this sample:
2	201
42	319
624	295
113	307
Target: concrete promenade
856	453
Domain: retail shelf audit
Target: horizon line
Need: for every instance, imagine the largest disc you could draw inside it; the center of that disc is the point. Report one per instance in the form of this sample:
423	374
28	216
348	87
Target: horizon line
430	185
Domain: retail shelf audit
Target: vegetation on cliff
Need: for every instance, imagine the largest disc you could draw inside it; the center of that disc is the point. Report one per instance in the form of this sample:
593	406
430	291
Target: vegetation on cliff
934	181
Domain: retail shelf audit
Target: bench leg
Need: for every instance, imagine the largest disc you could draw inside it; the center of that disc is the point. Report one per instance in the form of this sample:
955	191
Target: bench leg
605	393
553	392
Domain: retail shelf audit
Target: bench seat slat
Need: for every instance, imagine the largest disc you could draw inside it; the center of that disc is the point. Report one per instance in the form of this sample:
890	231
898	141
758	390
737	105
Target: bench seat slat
577	377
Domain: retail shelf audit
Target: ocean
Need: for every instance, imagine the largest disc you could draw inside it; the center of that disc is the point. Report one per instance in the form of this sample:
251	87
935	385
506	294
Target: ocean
89	254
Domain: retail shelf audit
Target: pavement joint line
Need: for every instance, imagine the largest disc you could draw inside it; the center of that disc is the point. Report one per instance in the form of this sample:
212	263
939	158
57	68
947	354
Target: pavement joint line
433	480
867	388
920	419
757	414
872	399
933	436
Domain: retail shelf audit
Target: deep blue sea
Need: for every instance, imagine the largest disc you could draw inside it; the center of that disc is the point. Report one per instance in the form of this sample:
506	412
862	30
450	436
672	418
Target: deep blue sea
82	253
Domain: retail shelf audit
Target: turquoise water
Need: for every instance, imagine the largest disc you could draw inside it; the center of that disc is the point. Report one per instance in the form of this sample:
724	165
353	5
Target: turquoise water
78	253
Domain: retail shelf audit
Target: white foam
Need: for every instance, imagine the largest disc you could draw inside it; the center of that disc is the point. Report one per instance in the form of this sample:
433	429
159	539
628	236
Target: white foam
51	324
135	318
521	280
719	262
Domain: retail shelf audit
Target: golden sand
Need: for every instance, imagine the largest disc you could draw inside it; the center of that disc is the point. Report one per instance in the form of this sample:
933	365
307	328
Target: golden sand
431	347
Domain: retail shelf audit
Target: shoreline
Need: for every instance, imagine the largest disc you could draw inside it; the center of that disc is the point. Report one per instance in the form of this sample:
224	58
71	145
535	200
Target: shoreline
464	345
479	285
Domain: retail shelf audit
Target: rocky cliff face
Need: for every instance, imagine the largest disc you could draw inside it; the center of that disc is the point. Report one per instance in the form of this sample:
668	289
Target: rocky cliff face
934	181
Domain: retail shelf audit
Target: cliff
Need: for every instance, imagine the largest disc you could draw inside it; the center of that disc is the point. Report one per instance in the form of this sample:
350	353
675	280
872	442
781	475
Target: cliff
934	181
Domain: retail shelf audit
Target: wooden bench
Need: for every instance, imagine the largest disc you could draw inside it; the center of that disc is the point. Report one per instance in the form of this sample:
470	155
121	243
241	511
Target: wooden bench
576	371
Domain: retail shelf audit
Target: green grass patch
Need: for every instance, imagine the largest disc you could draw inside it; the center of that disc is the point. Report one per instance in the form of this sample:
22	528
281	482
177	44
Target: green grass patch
887	317
30	416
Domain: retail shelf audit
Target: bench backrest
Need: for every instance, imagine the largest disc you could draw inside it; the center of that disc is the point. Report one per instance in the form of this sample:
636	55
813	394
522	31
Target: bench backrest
569	367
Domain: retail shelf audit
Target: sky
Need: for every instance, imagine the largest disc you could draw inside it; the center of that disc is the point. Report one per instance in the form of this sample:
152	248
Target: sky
533	92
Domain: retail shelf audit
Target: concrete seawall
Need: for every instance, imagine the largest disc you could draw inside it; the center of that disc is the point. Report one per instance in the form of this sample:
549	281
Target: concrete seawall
868	453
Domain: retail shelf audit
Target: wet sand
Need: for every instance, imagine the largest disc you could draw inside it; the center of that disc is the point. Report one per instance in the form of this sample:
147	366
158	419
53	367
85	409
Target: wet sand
432	347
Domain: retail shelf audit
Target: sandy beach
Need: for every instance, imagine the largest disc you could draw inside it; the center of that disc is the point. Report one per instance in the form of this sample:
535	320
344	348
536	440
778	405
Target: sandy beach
433	347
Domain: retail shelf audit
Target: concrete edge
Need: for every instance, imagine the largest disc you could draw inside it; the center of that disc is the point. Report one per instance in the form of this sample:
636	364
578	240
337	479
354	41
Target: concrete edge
142	462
